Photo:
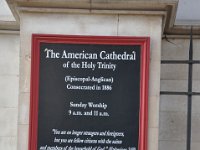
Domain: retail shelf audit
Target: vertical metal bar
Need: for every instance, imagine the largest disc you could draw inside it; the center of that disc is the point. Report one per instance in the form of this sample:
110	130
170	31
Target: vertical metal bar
189	108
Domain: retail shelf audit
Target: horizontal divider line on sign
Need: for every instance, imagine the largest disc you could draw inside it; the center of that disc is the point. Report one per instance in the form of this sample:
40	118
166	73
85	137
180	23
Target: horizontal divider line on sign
179	93
180	62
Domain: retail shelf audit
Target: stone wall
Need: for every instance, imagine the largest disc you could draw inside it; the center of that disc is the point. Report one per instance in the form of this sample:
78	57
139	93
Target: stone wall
9	89
89	24
173	109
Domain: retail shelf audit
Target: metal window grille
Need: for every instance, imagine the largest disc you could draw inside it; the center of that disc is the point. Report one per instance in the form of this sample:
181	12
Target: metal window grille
189	93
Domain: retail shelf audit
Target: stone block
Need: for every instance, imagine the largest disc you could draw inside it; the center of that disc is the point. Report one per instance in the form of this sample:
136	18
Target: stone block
195	145
72	24
174	72
153	119
196	72
154	78
9	86
25	48
196	86
196	45
173	126
176	49
25	73
134	25
8	115
25	60
24	84
174	85
152	138
9	52
24	107
172	145
22	141
8	143
195	104
173	103
195	127
25	63
8	122
8	129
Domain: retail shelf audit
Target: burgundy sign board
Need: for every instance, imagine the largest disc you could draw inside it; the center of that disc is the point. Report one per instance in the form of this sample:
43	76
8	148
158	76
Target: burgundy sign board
89	93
